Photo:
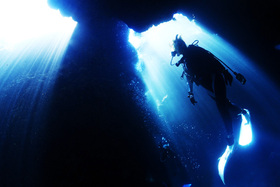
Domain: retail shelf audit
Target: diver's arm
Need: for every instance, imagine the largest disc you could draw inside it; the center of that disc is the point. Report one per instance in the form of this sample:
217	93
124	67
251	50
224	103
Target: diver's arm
179	62
190	84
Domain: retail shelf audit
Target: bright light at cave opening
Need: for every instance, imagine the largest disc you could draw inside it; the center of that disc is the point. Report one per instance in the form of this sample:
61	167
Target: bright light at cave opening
33	41
26	19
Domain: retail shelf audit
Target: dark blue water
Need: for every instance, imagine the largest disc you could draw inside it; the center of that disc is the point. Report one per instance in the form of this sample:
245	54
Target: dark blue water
97	121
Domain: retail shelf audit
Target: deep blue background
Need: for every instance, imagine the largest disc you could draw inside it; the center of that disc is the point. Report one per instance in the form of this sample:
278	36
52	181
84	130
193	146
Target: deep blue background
98	130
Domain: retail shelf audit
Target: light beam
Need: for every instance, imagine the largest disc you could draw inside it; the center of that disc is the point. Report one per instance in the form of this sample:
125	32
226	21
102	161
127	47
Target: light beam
33	41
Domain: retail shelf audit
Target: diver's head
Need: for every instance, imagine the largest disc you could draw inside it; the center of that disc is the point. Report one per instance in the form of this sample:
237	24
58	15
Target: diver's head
179	46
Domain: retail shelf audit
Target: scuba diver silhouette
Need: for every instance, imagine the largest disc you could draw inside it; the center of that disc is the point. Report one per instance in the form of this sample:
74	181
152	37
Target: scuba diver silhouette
203	68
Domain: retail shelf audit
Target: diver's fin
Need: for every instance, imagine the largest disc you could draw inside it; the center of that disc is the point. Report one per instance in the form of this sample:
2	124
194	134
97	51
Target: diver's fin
245	136
223	161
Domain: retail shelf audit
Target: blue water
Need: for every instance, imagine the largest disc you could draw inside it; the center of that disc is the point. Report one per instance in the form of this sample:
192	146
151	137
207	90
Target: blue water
31	51
93	134
197	132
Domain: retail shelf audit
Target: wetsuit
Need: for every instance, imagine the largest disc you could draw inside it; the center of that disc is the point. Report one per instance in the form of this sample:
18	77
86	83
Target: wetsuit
203	68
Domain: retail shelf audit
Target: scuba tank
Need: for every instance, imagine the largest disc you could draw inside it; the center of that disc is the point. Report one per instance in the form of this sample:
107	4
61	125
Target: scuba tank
238	76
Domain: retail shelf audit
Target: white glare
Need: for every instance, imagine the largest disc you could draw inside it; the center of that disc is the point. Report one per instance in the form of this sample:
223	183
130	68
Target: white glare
134	39
245	136
21	20
223	161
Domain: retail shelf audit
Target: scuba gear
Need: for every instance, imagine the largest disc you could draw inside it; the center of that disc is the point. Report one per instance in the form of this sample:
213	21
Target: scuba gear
195	42
203	68
174	53
238	76
179	44
228	77
171	62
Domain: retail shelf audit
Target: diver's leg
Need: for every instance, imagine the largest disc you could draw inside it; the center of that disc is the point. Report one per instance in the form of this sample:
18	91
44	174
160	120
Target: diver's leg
234	109
223	105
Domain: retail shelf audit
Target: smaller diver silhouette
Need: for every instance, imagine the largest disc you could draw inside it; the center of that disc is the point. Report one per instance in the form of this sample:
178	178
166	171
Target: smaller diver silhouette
165	150
203	68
